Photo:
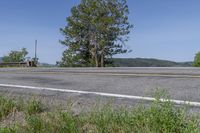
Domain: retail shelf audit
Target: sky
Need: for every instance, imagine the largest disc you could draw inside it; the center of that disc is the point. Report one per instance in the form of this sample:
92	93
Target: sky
163	29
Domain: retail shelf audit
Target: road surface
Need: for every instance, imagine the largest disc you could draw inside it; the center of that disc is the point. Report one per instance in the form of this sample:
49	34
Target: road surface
180	83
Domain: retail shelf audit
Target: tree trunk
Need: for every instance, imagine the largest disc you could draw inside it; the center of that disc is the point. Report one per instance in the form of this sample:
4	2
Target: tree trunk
94	51
96	60
102	60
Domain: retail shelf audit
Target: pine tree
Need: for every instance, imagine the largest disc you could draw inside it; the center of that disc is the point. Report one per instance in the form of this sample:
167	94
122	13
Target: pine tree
95	31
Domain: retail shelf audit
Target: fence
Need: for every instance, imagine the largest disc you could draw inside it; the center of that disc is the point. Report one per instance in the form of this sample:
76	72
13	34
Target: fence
18	64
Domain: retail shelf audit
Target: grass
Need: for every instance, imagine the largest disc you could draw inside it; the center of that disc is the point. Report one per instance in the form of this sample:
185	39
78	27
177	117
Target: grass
34	107
6	106
157	118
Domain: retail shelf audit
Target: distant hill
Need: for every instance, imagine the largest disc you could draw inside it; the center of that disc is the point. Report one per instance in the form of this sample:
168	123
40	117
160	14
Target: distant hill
147	62
136	62
46	65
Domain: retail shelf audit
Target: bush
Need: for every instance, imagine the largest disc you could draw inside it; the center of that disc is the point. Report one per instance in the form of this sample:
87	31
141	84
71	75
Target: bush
197	60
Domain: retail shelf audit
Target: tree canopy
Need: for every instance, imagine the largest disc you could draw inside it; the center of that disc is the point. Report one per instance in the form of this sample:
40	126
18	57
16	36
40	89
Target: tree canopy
15	56
197	60
95	31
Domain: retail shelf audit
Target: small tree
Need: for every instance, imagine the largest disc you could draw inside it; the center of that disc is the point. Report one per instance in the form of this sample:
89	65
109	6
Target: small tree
16	56
197	60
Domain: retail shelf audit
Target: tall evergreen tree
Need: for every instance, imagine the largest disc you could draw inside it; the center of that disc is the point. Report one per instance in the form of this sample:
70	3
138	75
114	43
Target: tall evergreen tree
96	30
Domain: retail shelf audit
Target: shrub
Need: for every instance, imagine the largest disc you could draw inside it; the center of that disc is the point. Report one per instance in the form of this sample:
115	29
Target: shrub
197	60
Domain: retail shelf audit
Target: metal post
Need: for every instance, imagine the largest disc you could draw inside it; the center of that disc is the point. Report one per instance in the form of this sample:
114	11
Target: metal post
35	49
35	61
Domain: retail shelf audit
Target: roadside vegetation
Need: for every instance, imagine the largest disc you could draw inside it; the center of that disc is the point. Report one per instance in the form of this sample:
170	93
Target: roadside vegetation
18	58
15	56
18	116
197	60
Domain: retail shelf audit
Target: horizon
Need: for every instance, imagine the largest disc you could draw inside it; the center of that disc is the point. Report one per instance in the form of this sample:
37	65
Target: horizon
130	58
166	30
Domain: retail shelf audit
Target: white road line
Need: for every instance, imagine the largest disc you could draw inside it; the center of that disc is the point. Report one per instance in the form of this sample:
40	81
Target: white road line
196	104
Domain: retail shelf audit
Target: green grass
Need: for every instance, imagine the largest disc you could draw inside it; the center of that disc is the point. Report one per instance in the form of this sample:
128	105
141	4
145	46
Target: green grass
157	118
6	106
34	107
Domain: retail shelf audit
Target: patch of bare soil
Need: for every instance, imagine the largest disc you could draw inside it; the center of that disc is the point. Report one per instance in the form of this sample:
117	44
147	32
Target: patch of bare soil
13	118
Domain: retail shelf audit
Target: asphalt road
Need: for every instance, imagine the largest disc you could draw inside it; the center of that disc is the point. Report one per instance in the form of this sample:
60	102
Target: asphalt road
180	83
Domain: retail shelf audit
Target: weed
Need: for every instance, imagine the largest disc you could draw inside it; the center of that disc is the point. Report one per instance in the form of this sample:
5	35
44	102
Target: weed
159	117
6	106
34	107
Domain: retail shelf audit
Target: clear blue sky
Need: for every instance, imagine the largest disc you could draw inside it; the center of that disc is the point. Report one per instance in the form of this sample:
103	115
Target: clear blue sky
164	29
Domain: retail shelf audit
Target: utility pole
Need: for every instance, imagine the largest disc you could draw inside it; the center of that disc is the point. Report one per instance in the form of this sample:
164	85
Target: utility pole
35	60
35	49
